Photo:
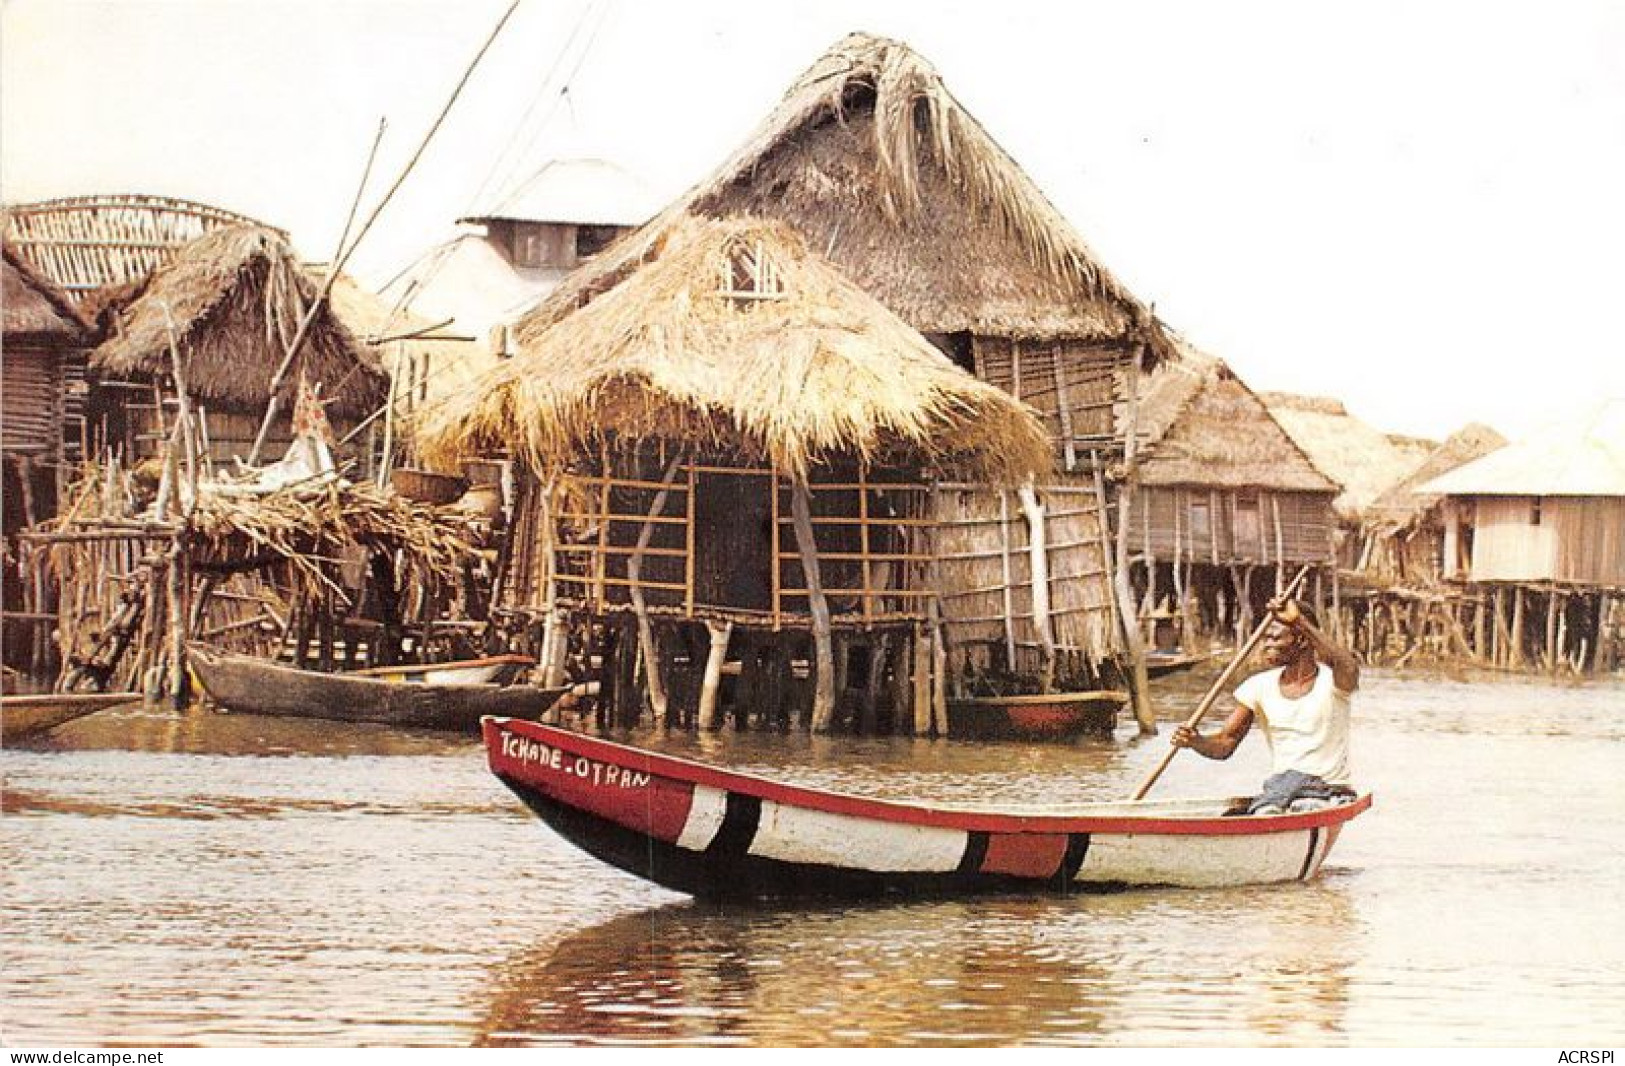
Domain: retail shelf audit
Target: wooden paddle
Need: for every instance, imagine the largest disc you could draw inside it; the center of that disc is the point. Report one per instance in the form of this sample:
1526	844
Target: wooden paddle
1220	682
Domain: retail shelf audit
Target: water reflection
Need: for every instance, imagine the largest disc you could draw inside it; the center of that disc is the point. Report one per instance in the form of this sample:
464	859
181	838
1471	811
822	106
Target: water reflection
1129	968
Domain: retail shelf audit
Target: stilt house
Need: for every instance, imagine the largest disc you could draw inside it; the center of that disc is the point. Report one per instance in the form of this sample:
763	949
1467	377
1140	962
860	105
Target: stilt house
1365	461
872	160
231	302
732	457
509	254
1410	549
1543	520
1227	507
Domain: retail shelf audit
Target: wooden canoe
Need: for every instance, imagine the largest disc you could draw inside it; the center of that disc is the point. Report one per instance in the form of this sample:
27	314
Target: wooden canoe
1163	663
1057	716
492	670
245	685
27	716
715	833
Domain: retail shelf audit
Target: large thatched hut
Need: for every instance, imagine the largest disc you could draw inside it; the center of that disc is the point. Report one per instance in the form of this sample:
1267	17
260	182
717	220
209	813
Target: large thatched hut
729	444
231	303
886	175
1227	507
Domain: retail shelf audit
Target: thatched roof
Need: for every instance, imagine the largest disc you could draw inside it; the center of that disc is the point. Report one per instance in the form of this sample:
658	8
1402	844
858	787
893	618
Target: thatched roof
1365	461
1403	503
891	179
1581	456
816	370
32	306
1201	425
235	297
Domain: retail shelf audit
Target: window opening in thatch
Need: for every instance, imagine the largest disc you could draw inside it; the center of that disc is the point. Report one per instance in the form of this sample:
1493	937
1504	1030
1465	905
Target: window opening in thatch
1534	511
750	274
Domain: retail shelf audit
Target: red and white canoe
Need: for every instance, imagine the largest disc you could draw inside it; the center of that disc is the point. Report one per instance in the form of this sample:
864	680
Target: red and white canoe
715	833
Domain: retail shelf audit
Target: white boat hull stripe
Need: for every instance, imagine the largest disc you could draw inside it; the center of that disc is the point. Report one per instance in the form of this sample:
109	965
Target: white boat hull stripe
705	814
1197	862
800	835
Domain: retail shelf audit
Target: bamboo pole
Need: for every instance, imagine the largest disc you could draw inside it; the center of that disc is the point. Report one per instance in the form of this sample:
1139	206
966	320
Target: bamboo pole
1143	713
922	682
775	578
339	261
1007	589
823	715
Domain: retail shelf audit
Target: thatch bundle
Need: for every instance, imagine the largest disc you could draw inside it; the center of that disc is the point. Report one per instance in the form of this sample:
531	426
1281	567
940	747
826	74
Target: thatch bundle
234	299
871	157
31	306
310	529
812	370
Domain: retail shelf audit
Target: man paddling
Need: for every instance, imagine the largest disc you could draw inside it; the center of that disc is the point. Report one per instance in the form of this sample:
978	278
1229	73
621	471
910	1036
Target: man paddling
1304	703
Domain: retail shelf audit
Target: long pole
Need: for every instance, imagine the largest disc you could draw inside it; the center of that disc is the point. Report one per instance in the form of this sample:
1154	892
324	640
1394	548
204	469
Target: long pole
334	270
1219	684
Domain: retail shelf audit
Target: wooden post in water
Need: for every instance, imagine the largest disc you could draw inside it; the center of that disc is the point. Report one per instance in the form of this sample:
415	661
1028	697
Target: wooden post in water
710	688
1517	660
922	681
658	700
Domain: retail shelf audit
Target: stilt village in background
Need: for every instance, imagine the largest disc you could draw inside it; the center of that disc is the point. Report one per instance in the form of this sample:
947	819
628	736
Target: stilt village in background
855	432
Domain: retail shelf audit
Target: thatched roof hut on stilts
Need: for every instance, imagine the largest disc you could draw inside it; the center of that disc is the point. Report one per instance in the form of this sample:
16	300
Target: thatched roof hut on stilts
231	301
882	171
1226	500
730	450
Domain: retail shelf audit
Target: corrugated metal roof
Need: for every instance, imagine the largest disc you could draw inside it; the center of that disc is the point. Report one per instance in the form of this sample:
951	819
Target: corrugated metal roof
1584	456
592	192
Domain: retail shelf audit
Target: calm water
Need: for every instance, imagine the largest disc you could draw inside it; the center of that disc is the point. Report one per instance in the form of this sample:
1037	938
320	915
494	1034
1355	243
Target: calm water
216	880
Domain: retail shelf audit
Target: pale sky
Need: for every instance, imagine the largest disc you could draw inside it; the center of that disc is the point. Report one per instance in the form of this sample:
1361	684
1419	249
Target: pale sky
1415	207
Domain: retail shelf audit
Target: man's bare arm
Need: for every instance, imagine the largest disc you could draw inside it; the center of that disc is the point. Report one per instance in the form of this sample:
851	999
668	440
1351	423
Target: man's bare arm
1220	745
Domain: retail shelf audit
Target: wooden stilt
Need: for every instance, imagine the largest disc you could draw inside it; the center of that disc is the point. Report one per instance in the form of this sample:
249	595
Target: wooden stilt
939	673
1517	660
711	686
922	681
874	684
657	697
823	704
901	648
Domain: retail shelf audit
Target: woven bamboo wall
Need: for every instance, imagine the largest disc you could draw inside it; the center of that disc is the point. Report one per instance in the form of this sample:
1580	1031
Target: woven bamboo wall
985	574
1073	386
